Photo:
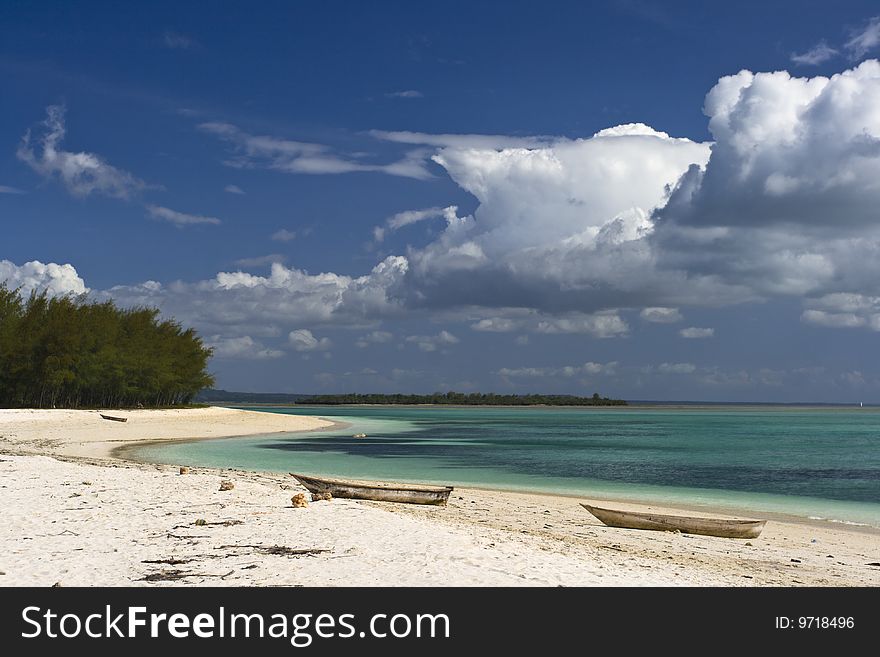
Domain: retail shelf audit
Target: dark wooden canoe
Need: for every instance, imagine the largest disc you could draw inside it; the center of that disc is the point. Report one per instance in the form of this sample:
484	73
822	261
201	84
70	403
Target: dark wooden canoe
686	525
376	492
114	418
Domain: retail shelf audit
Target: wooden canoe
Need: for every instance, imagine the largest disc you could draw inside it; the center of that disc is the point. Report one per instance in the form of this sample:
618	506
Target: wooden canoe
114	418
686	525
376	492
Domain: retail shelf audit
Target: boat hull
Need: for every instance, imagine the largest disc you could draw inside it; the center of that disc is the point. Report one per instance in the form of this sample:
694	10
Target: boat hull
113	418
686	525
376	492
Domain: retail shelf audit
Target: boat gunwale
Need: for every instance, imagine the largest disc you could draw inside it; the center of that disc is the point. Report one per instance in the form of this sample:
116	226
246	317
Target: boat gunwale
644	515
383	486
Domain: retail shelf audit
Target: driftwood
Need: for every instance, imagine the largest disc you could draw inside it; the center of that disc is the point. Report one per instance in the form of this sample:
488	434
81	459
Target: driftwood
174	561
165	576
170	535
278	550
201	522
173	575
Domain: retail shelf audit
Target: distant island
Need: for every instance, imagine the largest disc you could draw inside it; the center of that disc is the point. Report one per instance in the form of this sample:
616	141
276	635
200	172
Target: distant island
215	396
439	398
464	399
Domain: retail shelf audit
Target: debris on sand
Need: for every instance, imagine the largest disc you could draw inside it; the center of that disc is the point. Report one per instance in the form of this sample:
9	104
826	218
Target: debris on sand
319	497
299	501
184	469
278	550
165	576
226	485
201	522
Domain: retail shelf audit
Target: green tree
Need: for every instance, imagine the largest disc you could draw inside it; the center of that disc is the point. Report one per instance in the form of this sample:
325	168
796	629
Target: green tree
70	352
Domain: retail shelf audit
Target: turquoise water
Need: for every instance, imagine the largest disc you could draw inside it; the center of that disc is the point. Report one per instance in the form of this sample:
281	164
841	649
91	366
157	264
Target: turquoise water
820	463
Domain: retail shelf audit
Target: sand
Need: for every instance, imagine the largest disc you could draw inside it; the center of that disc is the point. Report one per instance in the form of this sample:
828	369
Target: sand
75	515
86	434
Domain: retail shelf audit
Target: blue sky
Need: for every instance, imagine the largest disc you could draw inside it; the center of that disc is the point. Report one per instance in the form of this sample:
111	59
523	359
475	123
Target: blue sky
442	208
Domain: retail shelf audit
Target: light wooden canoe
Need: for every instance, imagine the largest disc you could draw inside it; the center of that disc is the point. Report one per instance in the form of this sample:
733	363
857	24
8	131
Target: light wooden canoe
684	524
113	418
376	492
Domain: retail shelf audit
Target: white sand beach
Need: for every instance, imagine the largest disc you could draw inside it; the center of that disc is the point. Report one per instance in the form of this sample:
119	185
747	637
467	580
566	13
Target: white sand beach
75	515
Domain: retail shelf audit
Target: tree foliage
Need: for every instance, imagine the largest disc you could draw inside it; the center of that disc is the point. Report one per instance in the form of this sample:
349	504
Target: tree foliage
462	399
69	352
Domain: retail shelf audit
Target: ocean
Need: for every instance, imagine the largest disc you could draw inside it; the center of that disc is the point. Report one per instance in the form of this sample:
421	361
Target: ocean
811	462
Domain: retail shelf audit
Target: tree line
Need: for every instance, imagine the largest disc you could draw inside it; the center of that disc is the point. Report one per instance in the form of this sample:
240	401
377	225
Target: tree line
463	399
70	352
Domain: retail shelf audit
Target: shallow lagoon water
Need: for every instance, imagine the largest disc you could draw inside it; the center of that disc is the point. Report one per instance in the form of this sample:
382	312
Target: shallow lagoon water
820	463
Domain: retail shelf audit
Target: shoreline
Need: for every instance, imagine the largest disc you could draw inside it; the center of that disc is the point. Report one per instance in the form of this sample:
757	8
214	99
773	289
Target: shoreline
625	503
111	518
120	452
83	432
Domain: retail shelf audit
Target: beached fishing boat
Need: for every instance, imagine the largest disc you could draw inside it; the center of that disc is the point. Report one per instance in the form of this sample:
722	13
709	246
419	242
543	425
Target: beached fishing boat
113	418
686	525
376	492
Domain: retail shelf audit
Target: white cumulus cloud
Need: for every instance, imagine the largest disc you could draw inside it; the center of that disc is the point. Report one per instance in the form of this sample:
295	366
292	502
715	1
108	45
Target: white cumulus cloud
34	276
787	204
304	340
244	347
433	342
567	371
374	337
833	320
676	368
239	303
659	315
